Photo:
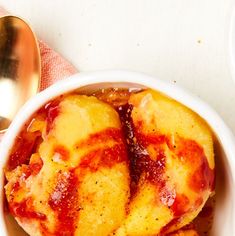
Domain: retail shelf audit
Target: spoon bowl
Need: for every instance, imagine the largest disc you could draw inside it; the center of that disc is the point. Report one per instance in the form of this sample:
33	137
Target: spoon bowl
19	67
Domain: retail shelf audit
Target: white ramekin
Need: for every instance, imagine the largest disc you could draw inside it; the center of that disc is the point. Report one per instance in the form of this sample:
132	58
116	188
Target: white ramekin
224	221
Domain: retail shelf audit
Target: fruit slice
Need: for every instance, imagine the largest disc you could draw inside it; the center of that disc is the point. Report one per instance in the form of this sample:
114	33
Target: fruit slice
172	164
76	180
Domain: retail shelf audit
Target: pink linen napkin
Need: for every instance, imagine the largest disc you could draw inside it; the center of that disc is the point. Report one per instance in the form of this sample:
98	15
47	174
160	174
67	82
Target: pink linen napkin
53	66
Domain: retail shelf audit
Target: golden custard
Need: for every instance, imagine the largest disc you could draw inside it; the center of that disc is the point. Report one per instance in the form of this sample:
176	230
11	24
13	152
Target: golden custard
114	163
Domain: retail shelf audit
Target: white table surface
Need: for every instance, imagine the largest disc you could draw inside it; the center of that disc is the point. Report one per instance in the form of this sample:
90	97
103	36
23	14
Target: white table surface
181	41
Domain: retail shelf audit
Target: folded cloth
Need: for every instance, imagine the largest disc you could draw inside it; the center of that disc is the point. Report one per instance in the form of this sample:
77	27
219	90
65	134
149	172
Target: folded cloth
53	66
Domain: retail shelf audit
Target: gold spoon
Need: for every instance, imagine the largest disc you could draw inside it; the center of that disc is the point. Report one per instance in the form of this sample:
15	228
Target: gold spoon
20	68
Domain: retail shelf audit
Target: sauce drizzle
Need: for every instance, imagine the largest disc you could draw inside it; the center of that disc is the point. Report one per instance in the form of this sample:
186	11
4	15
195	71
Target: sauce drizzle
64	201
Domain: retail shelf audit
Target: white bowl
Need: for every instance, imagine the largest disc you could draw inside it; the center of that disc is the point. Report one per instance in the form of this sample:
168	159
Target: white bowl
224	221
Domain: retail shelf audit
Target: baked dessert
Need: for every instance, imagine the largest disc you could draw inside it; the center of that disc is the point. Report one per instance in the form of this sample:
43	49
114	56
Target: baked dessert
112	163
